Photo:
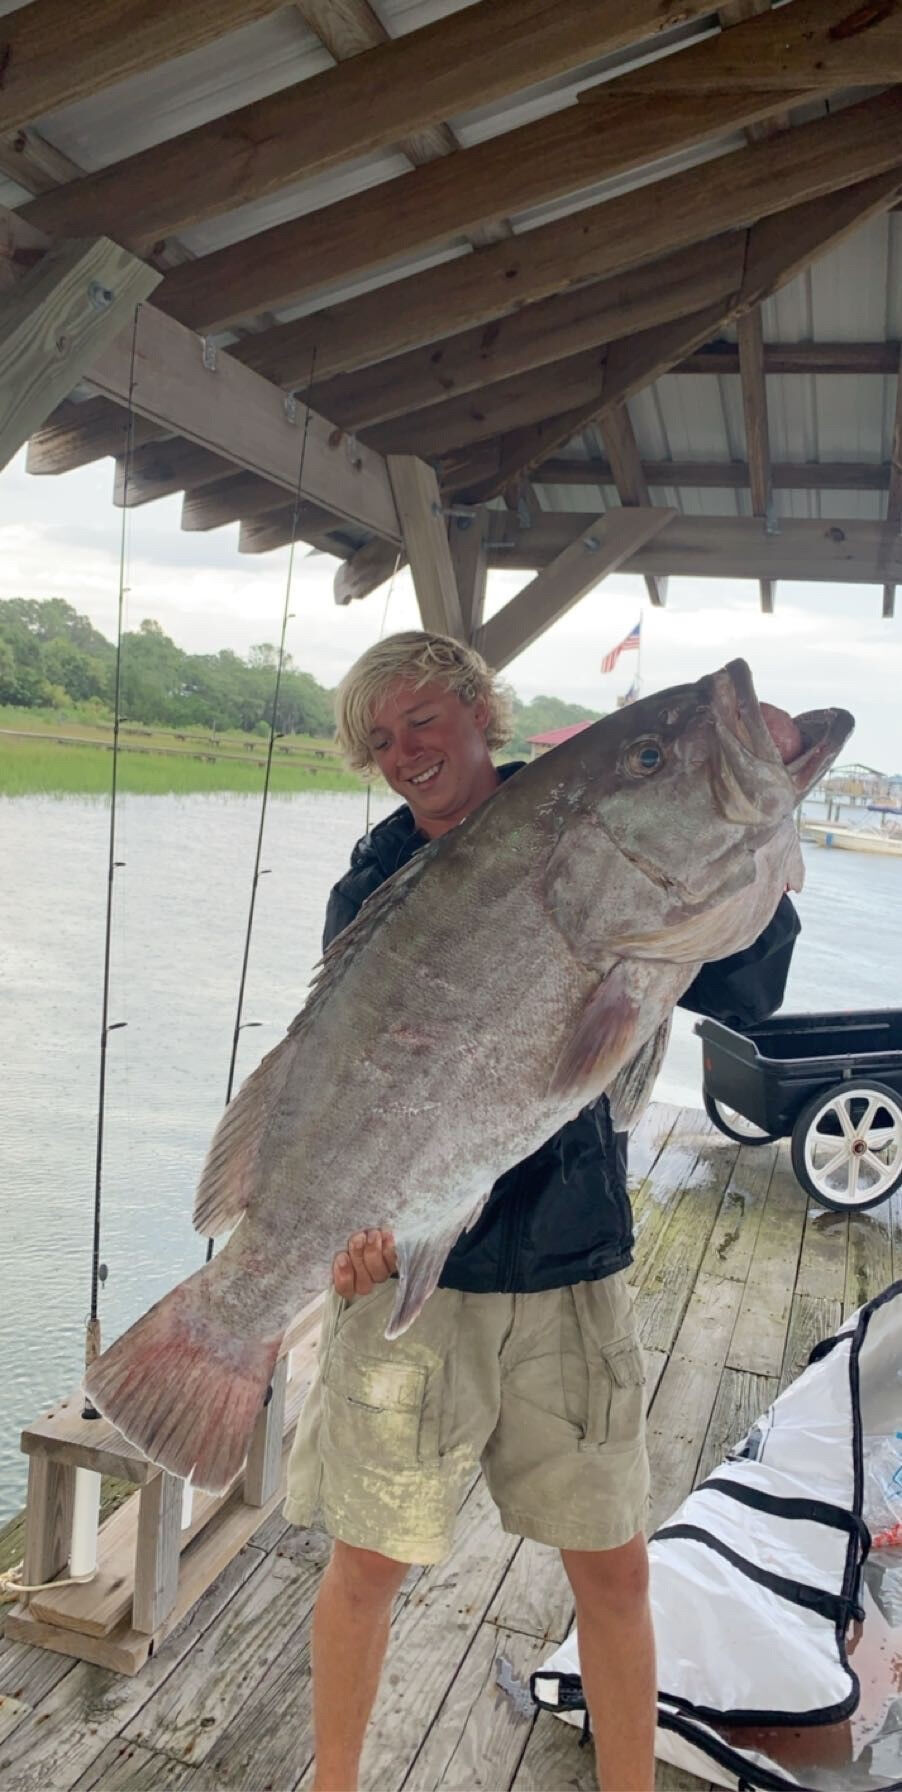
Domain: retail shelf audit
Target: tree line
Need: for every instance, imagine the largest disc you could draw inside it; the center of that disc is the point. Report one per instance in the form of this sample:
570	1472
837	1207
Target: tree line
53	658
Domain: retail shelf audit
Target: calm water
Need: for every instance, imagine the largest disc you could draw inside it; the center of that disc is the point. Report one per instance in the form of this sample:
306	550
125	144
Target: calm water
181	903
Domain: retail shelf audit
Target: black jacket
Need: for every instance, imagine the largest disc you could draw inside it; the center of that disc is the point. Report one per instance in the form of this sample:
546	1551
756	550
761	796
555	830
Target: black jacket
563	1214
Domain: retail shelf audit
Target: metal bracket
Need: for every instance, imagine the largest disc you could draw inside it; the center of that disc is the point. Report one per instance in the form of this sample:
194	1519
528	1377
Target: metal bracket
290	407
210	354
100	296
771	519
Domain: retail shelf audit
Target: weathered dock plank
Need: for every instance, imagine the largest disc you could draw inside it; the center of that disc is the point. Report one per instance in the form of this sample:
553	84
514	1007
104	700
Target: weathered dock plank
760	1335
126	1767
12	1713
90	1706
188	1714
811	1319
825	1248
741	1398
869	1268
733	1239
666	1276
477	1738
534	1597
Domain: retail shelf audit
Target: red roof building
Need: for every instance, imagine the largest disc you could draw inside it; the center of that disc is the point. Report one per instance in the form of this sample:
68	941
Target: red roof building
541	743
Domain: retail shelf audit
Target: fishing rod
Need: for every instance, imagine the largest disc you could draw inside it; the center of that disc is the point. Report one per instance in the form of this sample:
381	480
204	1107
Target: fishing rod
267	775
391	586
98	1269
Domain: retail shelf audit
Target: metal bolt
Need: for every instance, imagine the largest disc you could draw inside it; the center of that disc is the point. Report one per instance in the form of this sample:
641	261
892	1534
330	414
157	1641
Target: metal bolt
290	407
209	354
592	543
100	296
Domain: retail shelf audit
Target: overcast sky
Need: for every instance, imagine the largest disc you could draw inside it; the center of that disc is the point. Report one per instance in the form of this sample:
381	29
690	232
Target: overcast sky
826	644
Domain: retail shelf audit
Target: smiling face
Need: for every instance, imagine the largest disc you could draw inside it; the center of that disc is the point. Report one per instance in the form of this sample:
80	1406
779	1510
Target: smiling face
430	746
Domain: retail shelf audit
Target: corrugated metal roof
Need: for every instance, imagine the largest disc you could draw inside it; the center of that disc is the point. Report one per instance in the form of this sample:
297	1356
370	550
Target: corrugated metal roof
852	294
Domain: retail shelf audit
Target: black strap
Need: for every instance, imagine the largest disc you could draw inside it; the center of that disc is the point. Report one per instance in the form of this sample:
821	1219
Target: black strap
787	1506
834	1607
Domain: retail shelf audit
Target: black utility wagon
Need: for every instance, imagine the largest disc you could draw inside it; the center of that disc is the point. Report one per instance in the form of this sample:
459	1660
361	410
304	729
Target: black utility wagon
832	1083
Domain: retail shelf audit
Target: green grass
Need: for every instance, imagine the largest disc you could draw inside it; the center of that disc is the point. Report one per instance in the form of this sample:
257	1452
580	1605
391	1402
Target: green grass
41	767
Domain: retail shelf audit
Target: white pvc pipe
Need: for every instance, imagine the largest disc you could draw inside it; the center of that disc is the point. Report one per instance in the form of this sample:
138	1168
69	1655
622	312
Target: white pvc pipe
187	1504
85	1516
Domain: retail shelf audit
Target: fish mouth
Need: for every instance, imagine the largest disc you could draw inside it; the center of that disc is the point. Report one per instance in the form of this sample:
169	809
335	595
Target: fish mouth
823	732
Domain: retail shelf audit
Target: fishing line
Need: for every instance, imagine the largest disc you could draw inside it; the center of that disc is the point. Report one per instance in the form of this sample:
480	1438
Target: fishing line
267	776
92	1332
391	586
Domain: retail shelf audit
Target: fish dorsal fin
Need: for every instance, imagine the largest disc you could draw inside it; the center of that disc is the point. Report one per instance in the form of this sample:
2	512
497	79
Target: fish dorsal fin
347	945
228	1177
603	1037
630	1091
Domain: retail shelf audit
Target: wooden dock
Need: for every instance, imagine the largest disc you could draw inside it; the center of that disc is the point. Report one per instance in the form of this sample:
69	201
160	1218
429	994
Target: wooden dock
737	1278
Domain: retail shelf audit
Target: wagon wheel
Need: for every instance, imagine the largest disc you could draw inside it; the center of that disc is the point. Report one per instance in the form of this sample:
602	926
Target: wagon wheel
735	1125
847	1145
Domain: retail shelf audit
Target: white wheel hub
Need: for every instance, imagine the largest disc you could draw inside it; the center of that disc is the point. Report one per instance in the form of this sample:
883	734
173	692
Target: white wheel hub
853	1146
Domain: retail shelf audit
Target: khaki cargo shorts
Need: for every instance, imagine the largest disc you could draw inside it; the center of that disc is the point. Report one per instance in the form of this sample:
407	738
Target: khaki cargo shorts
545	1390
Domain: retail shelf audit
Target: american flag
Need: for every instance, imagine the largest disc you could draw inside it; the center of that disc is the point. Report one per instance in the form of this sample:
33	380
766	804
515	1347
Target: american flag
629	643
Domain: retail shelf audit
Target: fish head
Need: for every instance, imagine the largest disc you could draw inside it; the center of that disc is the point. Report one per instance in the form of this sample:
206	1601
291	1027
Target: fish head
692	789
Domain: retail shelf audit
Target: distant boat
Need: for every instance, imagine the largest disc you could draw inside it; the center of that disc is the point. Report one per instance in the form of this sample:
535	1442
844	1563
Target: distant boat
886	808
832	833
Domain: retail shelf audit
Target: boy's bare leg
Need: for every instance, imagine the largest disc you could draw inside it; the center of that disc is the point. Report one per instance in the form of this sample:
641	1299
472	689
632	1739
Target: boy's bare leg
617	1660
350	1637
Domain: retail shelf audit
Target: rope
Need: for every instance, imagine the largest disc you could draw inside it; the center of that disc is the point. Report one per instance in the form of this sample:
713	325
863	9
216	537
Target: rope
230	1083
12	1584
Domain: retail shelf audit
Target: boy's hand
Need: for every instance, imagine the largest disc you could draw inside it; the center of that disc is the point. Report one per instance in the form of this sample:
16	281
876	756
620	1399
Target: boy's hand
370	1258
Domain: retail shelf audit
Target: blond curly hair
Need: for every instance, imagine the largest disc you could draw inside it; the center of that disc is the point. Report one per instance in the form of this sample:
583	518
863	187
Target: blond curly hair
418	657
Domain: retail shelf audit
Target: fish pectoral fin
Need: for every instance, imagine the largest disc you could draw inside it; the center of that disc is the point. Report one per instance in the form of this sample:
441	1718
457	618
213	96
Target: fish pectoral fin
421	1259
603	1037
629	1093
228	1178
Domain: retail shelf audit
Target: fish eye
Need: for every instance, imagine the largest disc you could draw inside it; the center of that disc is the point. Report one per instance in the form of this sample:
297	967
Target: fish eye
644	757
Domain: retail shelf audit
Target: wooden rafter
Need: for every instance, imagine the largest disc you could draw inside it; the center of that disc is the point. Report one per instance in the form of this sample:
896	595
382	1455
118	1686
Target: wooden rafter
160	468
76	434
593	314
774	256
849	358
228	500
364	104
52	52
308	523
54	321
599	241
350	28
365	571
750	342
718	547
590	554
727	475
629	478
645	114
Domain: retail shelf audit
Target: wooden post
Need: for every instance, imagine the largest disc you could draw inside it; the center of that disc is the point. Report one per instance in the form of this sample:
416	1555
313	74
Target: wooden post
466	539
158	1551
264	1458
55	321
48	1523
426	539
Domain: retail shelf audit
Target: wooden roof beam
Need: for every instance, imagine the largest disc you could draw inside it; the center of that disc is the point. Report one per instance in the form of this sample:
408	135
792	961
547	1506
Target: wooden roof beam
777	249
76	434
159	469
837	552
310	524
629	478
894	494
649	113
229	500
54	321
367	103
589	556
757	435
349	29
599	242
53	53
727	475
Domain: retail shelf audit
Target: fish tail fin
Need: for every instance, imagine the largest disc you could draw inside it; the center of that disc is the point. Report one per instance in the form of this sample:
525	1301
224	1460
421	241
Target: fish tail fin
183	1387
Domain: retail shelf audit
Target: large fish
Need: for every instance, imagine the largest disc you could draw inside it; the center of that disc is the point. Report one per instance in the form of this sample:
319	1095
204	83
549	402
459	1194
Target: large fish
514	970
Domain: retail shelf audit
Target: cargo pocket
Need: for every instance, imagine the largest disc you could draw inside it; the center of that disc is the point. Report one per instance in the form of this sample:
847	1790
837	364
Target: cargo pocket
615	1413
374	1410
